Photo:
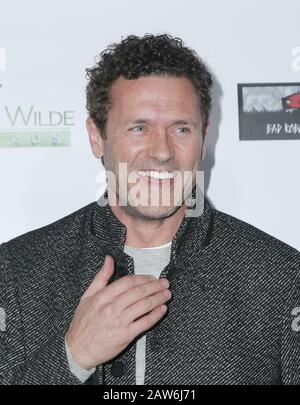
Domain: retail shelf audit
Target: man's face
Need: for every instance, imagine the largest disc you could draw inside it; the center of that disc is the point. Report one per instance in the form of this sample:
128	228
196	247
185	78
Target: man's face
154	126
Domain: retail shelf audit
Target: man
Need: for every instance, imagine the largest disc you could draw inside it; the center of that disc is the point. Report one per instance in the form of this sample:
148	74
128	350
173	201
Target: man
125	291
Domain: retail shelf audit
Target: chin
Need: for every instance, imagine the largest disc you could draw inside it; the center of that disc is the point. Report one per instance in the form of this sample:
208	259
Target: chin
150	213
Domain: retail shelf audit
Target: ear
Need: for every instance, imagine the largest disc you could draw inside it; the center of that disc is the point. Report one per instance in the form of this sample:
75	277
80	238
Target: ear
203	146
95	138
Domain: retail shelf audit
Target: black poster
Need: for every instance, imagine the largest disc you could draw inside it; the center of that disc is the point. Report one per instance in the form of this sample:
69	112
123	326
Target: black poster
269	111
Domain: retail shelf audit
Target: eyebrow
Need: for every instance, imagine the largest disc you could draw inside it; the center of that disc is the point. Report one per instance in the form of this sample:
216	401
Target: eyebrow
177	122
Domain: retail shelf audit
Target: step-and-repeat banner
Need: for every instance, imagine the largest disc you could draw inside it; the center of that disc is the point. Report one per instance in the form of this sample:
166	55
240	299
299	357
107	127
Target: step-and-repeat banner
252	167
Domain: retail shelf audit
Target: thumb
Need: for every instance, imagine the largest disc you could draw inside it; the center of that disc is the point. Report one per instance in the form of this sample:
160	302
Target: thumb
101	279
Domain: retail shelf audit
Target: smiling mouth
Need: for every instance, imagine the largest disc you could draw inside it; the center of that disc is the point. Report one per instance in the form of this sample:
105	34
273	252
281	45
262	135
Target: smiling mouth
157	175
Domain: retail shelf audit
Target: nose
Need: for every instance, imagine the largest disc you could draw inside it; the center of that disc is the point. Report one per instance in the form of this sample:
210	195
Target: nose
160	147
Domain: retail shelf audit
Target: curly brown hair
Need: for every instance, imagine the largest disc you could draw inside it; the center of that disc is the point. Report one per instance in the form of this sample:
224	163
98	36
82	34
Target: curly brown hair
133	57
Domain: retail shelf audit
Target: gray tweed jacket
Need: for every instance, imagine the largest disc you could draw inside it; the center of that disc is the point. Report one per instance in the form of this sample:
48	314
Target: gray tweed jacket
229	321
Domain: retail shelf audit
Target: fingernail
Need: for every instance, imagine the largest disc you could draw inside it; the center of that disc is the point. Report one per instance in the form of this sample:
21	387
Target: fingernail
167	293
165	282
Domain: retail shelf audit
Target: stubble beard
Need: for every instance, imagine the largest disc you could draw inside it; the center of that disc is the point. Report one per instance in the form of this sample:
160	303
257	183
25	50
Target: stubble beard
151	212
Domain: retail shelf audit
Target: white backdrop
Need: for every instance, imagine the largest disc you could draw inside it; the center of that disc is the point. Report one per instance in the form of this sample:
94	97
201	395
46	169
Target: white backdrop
45	47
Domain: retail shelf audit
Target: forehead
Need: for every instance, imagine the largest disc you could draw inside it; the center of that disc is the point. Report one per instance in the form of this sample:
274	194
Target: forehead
154	95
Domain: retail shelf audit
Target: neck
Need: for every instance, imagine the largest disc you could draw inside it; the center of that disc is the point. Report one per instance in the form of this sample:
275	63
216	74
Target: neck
149	233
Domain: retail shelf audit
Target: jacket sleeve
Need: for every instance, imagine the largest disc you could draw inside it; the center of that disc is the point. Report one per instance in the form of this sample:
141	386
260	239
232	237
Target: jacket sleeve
290	355
49	364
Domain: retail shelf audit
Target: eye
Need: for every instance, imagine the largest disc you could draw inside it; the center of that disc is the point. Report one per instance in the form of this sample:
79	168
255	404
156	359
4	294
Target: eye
139	128
183	130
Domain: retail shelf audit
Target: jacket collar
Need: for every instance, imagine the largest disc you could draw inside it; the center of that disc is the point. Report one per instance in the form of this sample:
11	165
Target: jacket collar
194	233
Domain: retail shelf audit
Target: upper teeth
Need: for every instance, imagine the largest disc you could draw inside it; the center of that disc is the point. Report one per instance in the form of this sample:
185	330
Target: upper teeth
156	174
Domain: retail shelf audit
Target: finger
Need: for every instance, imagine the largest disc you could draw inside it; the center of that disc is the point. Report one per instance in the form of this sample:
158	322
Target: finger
139	292
118	287
148	321
101	279
145	306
